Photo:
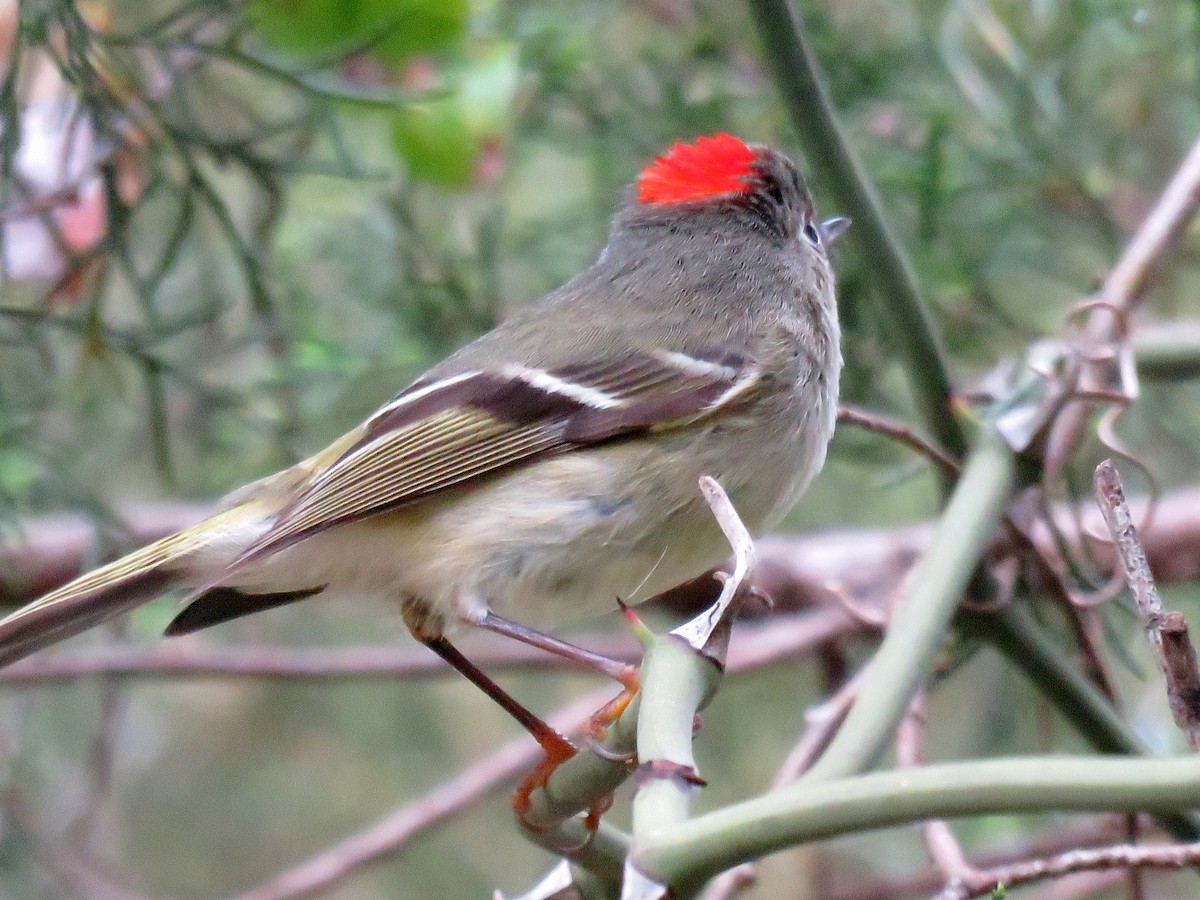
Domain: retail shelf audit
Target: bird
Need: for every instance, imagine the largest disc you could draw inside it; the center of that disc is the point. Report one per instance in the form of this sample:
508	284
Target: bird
548	469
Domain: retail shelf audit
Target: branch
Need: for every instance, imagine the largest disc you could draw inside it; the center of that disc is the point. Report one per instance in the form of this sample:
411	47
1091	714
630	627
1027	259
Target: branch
1121	856
1060	837
761	644
76	872
901	433
808	811
941	846
1167	632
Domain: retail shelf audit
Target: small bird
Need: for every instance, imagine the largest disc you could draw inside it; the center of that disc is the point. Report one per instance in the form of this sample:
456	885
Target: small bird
550	467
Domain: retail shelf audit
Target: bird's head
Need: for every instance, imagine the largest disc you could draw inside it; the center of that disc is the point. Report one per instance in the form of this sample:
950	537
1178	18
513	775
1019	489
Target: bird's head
722	172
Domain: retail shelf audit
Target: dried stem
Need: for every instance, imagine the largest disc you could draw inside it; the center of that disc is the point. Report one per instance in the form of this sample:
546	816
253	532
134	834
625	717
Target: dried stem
1168	636
761	644
73	869
901	433
1059	838
1121	856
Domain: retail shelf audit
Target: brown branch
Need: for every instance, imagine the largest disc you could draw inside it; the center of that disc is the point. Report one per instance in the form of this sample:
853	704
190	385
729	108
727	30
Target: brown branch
821	722
196	659
48	551
759	645
901	433
1059	839
941	846
1121	856
1174	654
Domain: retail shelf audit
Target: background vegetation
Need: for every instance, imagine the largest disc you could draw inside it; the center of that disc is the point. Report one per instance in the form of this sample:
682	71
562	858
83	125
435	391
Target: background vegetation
230	230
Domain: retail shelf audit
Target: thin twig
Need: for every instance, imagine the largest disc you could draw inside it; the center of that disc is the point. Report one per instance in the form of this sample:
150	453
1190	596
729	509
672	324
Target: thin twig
759	645
1174	654
1121	856
76	872
901	433
1058	839
822	722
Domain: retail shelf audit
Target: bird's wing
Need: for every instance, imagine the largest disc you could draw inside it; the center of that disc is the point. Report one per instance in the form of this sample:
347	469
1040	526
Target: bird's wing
448	431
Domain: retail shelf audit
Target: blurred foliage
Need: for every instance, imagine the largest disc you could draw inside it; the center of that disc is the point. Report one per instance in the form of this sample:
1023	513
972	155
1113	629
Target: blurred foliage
303	204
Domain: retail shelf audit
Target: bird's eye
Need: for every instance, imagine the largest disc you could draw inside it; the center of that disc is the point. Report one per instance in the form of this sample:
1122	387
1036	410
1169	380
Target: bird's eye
812	234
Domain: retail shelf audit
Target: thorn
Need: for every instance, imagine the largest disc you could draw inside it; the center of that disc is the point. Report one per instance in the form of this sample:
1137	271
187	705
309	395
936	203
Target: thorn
640	630
620	759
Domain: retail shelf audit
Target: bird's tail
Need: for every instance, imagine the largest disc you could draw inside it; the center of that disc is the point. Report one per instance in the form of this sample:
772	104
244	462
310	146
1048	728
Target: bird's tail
108	591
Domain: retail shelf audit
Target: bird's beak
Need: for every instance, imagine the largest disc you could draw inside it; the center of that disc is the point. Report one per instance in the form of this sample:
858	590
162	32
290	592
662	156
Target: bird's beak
832	229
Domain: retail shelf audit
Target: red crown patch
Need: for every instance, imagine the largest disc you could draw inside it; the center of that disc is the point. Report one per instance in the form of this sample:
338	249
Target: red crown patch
708	168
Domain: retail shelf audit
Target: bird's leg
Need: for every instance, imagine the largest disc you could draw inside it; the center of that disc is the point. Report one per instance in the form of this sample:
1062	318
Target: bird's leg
624	673
556	747
621	672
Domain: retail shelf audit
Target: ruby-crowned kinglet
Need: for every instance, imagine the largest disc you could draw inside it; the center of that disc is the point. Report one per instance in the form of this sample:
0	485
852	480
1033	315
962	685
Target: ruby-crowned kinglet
551	466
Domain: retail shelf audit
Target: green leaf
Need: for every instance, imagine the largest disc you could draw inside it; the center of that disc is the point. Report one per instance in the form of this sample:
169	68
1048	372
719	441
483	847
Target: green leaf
414	27
435	143
392	30
440	139
307	27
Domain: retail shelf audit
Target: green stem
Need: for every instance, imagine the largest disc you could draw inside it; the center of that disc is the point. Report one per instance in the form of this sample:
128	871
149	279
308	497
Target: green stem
584	779
676	682
806	812
838	171
920	620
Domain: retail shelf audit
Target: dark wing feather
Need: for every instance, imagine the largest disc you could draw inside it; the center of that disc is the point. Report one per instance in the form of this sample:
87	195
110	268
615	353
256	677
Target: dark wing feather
436	435
223	604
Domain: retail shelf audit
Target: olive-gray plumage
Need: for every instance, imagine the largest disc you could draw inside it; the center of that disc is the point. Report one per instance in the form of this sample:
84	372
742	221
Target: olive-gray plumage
551	466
